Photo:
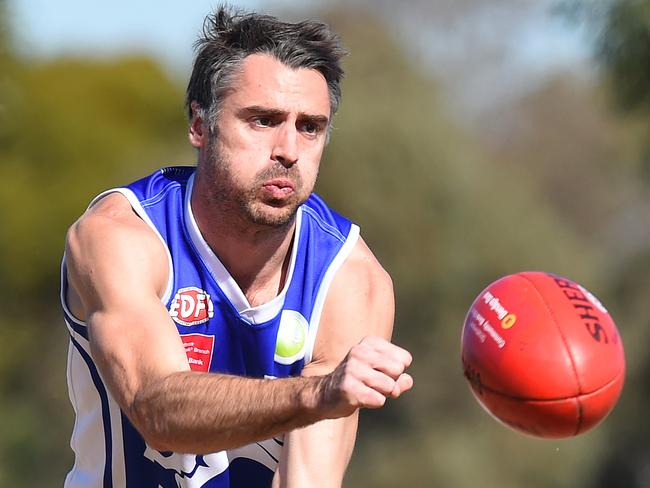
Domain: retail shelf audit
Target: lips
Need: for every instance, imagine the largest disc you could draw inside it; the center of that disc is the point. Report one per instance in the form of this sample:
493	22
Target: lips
278	187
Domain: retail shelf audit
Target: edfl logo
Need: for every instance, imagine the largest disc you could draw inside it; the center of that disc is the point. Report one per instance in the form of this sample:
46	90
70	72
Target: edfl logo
191	306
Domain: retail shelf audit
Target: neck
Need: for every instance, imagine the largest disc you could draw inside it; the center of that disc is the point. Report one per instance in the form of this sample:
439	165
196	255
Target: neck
256	256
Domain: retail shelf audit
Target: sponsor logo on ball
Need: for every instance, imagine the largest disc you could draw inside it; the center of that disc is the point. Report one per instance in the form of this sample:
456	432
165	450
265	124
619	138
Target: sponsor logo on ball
508	321
587	307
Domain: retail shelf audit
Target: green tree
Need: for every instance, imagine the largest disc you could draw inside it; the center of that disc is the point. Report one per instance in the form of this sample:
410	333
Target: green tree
624	50
621	39
71	128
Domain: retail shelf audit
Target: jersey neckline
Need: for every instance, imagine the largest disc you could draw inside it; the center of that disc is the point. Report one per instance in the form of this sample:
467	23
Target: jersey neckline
254	315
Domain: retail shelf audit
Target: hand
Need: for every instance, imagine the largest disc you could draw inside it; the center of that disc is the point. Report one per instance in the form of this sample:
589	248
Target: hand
371	372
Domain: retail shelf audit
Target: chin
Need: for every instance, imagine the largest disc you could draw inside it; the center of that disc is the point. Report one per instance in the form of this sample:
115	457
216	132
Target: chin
271	216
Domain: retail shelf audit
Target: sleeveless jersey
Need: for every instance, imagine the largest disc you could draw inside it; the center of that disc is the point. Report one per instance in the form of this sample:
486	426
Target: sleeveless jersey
221	332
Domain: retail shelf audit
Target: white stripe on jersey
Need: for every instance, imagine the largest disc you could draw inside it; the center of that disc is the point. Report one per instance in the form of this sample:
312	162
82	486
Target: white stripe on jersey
319	302
88	435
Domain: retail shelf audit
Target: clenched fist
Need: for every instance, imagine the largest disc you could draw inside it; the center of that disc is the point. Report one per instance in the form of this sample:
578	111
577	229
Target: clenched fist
371	372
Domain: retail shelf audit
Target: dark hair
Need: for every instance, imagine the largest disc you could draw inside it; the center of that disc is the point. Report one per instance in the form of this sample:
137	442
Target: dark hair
229	37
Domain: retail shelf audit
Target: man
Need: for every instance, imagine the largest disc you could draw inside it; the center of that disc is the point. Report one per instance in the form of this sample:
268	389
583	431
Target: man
212	310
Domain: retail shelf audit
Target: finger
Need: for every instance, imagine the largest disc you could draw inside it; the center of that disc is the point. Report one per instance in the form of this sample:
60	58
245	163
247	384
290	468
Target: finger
403	383
359	394
388	349
402	355
370	398
359	370
379	382
385	364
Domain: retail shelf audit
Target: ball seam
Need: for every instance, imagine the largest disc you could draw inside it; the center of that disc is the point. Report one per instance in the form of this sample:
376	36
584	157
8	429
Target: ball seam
566	347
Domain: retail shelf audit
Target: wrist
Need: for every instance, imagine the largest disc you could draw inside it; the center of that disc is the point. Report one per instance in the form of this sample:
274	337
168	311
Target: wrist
310	397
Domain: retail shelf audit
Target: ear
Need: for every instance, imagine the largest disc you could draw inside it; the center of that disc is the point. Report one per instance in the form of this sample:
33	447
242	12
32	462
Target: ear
198	131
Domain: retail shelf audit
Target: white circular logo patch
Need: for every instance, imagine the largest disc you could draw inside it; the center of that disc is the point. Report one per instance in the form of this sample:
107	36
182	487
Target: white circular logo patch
292	337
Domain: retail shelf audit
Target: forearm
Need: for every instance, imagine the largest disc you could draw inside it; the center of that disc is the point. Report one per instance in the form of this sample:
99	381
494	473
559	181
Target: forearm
317	455
201	413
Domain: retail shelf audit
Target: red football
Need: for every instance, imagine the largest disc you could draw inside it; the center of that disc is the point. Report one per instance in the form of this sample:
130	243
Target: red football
542	355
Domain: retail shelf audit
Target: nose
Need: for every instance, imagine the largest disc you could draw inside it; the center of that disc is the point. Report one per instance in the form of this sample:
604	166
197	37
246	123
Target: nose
285	146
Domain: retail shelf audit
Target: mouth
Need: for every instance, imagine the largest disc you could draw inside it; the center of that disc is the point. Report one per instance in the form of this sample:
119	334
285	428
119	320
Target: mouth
278	188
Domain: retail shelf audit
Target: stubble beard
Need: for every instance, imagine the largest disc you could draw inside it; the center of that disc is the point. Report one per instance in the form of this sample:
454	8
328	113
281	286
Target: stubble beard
249	204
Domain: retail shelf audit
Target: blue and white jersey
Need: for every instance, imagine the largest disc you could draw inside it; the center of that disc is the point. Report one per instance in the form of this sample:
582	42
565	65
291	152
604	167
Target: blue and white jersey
221	332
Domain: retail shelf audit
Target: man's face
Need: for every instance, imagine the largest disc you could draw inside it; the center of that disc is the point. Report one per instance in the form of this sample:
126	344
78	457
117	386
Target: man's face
263	159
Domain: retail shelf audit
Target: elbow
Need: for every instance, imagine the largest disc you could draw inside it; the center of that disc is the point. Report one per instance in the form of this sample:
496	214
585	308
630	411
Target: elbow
163	424
149	420
158	441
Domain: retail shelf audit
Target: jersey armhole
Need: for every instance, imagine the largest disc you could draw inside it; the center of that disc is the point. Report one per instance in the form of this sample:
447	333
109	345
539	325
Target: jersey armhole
314	322
140	211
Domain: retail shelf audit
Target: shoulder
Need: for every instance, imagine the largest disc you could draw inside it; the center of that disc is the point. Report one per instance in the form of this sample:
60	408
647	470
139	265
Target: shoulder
359	303
110	221
108	240
363	279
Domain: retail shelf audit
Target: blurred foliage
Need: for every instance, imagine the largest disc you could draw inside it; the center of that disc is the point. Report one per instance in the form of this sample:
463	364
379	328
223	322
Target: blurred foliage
550	183
69	128
620	30
448	212
77	124
622	44
624	49
621	33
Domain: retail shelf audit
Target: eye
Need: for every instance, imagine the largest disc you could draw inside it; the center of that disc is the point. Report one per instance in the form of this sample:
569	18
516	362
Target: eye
311	128
263	121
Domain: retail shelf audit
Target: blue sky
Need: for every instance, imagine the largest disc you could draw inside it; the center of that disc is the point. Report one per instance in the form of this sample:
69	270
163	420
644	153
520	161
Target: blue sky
481	52
167	28
164	28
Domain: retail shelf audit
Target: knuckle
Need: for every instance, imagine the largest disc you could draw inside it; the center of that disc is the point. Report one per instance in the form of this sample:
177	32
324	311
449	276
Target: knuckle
347	385
357	352
366	340
381	383
402	356
379	400
390	386
408	358
394	367
353	365
370	340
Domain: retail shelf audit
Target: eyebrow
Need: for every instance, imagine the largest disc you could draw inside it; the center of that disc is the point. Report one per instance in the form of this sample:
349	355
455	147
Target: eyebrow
274	112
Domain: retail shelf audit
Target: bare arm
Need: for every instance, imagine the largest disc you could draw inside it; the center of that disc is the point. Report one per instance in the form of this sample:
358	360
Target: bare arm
355	328
117	269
